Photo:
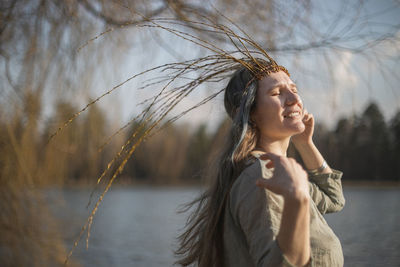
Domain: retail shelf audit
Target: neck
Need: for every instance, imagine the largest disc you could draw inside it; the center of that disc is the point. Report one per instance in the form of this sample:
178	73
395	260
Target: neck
276	146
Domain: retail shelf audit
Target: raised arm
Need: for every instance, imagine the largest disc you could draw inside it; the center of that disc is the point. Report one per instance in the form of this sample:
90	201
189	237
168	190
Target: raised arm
325	185
304	144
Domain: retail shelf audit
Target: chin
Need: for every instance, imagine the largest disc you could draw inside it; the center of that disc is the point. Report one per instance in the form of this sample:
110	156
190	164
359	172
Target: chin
298	128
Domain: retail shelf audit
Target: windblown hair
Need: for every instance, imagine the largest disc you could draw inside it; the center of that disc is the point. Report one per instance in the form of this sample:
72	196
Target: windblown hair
202	241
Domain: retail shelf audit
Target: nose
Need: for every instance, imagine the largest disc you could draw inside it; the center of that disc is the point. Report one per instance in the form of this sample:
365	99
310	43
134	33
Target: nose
292	99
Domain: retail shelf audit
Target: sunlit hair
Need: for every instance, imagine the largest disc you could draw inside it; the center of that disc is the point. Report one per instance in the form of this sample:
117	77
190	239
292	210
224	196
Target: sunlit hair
202	241
239	102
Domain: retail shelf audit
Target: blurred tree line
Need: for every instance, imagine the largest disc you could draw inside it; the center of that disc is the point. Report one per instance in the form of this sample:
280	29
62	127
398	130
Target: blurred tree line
365	147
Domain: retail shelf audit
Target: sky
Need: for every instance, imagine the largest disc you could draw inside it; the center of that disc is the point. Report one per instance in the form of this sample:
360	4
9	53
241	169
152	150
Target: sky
356	81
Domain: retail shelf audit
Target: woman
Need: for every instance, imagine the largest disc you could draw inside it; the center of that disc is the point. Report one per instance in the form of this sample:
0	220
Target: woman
263	209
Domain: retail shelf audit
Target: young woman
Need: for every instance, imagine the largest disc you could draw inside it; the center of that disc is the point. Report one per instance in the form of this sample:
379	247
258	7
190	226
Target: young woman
264	209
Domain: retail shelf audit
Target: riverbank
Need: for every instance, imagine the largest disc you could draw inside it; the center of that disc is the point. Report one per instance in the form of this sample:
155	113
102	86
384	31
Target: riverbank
128	182
371	184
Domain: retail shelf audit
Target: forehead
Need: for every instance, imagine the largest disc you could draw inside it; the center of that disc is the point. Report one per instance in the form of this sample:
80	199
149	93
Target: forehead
275	79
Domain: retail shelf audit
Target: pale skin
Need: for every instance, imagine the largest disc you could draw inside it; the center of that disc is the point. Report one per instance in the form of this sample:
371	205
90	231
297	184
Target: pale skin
280	118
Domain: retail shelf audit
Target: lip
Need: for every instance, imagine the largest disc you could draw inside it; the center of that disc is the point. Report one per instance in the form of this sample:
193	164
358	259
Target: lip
286	114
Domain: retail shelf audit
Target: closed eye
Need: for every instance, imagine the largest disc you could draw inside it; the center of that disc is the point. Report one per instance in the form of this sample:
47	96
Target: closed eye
275	92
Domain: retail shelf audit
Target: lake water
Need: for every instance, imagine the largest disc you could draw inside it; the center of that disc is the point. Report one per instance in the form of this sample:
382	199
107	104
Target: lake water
138	226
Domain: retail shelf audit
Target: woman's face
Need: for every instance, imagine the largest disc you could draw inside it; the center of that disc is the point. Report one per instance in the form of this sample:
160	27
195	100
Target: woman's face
279	110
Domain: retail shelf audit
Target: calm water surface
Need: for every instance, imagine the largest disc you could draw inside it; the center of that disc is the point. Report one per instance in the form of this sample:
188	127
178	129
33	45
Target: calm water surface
138	226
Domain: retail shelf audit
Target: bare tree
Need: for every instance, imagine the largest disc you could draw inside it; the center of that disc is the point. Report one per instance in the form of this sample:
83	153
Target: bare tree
53	49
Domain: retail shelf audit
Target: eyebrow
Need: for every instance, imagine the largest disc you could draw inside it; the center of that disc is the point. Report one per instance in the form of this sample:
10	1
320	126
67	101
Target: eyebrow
282	85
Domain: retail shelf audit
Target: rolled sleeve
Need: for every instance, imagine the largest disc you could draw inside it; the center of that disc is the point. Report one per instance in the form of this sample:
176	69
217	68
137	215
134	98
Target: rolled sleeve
326	191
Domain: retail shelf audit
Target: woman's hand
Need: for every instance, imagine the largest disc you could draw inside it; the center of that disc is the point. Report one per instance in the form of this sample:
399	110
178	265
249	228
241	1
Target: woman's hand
306	136
304	144
290	181
289	178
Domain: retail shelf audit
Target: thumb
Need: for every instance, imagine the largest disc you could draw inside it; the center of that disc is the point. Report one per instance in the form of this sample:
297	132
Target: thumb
271	156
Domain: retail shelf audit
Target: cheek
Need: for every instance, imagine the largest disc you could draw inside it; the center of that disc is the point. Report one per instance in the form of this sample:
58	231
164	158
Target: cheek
266	116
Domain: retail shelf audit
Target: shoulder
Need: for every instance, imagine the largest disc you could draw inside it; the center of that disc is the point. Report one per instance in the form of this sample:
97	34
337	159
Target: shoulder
247	201
245	185
247	178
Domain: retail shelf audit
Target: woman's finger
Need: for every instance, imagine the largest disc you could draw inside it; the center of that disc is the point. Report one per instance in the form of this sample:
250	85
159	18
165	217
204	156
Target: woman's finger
307	117
264	157
270	156
310	118
270	163
261	182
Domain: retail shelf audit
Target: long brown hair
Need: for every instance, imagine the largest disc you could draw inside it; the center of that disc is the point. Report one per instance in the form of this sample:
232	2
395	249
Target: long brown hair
202	240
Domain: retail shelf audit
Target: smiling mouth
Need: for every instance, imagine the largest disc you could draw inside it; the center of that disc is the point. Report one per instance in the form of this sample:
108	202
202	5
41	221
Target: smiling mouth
293	114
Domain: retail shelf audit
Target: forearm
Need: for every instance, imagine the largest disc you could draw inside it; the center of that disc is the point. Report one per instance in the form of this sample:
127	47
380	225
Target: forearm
294	234
311	156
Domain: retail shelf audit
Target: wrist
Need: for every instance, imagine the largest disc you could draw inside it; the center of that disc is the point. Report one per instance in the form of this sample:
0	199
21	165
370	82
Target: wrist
303	143
297	196
318	170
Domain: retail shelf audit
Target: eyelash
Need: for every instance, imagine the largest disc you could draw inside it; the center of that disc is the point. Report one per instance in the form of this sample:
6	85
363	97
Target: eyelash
278	93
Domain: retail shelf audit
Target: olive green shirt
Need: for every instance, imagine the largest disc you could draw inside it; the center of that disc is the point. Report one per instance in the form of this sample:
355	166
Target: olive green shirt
253	214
